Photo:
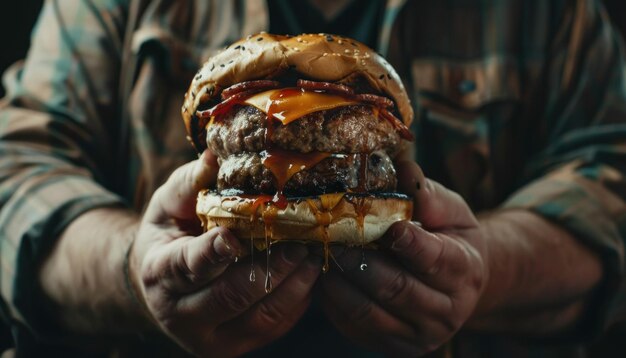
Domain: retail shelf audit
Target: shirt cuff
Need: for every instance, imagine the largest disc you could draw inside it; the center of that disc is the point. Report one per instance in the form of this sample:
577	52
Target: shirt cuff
30	223
594	216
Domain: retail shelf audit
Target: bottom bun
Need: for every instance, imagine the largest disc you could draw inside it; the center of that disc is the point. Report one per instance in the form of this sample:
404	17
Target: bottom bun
347	218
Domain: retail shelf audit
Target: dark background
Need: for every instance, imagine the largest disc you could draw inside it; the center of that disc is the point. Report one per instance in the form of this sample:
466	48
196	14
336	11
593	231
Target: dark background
18	17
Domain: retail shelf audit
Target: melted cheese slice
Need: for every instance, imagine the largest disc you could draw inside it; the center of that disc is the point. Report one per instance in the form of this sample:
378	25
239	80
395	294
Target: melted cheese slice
289	104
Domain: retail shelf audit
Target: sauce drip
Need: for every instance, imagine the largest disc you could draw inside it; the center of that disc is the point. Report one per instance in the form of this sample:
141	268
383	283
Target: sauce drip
361	208
261	201
252	270
324	217
284	164
269	215
268	274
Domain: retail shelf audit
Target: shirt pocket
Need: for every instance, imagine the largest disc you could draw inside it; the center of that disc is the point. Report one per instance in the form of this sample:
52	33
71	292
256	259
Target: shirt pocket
464	111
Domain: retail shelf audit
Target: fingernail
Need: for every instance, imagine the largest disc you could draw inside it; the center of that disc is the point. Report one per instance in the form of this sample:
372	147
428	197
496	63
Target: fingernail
402	237
222	248
294	253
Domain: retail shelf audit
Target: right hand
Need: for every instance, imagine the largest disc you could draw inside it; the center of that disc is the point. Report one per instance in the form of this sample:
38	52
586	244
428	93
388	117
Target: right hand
193	289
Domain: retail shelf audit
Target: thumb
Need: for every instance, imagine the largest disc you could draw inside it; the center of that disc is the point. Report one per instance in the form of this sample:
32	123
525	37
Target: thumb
193	261
177	197
435	207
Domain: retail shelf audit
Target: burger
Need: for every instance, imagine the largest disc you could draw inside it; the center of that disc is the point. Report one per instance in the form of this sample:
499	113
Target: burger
305	129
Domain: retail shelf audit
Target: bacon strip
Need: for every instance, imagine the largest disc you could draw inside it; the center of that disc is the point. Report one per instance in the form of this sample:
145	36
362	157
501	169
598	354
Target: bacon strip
398	125
240	92
378	101
249	85
227	104
324	86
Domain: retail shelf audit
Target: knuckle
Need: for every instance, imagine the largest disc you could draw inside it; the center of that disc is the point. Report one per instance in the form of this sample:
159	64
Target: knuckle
452	323
182	268
439	262
361	311
462	261
427	348
394	287
281	268
269	314
452	319
230	298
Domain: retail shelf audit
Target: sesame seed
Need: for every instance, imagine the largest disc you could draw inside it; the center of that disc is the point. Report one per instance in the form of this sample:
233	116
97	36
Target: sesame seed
231	61
222	65
260	39
346	51
324	54
299	39
340	42
212	67
243	48
237	47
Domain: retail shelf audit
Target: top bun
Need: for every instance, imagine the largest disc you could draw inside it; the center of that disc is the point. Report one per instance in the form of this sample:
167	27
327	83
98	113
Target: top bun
320	57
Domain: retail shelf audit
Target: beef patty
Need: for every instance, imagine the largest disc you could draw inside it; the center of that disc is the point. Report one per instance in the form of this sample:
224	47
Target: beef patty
246	174
348	129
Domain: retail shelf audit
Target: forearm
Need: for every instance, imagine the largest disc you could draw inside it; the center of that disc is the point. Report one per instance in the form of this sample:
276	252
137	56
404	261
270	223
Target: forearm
540	276
83	277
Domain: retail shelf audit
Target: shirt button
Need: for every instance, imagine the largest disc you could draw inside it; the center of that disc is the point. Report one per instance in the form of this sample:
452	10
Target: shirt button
467	86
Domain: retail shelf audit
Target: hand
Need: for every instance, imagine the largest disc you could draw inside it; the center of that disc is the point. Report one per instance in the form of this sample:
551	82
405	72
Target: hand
193	289
422	285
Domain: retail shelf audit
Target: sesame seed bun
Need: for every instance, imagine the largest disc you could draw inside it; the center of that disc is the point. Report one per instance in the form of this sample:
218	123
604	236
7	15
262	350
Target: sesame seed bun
318	57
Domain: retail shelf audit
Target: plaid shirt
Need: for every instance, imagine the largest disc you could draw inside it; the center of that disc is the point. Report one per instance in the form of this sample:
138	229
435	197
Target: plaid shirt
519	103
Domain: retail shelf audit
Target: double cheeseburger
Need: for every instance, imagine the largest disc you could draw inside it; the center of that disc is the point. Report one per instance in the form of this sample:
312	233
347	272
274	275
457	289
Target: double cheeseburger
305	129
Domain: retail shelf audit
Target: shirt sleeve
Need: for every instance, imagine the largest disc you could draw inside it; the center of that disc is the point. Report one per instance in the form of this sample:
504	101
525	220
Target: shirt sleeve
58	125
579	180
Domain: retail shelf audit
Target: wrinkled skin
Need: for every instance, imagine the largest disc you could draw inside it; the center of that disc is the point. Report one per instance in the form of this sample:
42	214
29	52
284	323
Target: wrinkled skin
419	289
424	283
193	289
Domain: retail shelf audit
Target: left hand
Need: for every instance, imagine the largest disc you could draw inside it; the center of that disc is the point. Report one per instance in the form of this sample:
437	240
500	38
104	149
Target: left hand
424	282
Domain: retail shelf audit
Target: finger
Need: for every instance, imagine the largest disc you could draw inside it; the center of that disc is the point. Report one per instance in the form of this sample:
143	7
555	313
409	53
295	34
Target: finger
189	263
435	206
233	293
275	314
177	197
439	260
363	321
410	177
394	288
